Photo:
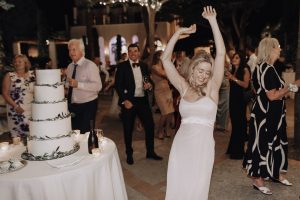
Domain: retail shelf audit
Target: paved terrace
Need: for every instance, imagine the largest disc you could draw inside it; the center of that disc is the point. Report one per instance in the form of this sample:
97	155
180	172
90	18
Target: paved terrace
146	179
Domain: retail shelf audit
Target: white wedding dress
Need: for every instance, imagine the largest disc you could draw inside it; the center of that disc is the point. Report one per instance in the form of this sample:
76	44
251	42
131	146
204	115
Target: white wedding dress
192	153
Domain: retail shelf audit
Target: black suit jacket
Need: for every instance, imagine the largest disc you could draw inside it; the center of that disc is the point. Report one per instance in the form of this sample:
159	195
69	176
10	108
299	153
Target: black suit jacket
124	80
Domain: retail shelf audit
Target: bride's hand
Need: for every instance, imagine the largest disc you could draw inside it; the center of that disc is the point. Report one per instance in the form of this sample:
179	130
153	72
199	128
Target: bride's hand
209	12
186	31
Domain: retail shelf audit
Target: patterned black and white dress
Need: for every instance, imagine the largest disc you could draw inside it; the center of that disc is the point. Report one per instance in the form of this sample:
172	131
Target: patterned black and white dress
266	155
21	91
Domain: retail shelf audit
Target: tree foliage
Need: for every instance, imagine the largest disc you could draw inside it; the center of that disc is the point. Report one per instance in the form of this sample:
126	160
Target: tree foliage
18	23
234	17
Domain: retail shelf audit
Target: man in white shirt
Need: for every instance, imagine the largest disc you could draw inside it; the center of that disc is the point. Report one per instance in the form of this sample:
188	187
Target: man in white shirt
250	51
252	58
132	86
84	84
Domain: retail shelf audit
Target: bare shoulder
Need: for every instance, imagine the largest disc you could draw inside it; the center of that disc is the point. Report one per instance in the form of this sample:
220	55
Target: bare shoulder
6	79
246	69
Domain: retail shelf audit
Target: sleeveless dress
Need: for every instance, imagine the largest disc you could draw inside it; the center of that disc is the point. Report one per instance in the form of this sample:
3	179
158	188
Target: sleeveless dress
192	153
21	91
237	113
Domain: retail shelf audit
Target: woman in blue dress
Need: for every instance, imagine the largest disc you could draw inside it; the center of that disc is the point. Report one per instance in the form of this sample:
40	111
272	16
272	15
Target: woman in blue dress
17	90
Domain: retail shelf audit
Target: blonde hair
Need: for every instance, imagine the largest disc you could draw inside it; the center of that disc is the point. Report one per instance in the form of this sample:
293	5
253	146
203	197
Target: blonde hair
78	43
265	48
25	59
200	57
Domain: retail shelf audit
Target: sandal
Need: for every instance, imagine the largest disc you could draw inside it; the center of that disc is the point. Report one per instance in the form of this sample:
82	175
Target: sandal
263	189
284	182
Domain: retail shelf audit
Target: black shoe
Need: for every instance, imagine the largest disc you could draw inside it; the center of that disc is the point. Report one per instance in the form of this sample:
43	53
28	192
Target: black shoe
129	160
153	156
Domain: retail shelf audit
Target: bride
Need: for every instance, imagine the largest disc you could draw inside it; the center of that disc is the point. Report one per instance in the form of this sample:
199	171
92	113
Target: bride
192	153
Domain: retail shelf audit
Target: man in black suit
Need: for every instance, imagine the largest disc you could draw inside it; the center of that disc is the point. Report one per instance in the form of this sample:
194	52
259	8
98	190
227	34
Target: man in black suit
131	86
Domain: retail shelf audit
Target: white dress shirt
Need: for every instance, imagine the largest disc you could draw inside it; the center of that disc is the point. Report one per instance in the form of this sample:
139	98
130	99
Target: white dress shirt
89	82
252	62
138	79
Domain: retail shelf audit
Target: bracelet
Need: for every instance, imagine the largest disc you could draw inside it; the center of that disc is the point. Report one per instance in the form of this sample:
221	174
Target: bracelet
292	87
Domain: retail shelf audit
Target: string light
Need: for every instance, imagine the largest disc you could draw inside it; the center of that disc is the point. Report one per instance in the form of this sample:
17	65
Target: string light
153	4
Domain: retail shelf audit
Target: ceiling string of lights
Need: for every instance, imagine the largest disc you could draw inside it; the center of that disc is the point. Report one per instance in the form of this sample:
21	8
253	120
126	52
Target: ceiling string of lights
154	4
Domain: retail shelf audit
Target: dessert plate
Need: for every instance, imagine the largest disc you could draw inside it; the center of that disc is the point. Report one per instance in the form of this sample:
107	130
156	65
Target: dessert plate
11	165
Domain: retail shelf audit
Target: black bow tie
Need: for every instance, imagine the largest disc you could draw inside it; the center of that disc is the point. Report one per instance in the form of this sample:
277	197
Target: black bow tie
135	64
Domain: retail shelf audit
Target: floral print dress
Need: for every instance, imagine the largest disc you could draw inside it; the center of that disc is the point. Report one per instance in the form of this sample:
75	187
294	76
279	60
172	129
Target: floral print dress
21	91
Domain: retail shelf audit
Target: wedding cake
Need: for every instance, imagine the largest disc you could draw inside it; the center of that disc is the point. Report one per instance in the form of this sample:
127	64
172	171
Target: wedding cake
50	132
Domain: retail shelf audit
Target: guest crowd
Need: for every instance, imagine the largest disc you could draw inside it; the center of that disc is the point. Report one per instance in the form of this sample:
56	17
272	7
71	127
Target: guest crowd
251	96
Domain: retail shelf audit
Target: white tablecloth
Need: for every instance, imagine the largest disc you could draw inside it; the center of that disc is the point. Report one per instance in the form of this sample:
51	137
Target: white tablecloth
92	178
289	77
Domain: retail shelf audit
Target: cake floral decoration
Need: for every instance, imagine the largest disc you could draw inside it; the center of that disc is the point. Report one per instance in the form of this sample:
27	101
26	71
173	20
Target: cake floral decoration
59	116
49	102
54	155
56	85
49	138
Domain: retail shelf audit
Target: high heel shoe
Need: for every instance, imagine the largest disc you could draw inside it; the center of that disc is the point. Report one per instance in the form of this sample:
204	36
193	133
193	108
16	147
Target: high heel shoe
263	189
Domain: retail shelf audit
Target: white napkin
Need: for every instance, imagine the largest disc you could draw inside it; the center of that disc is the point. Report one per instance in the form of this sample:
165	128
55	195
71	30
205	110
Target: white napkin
66	161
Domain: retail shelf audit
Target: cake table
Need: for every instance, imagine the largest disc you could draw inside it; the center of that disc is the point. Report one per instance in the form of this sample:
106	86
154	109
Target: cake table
90	178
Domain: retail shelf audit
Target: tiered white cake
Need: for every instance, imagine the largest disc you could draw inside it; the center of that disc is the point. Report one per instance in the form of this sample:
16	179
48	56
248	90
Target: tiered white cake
50	126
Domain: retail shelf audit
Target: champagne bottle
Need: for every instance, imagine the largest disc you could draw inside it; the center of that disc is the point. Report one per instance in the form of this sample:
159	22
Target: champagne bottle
93	139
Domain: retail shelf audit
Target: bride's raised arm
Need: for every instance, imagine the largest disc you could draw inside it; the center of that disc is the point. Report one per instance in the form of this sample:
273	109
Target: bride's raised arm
175	78
210	14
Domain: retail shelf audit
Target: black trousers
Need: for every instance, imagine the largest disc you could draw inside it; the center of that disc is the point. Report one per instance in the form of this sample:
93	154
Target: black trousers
142	110
82	113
